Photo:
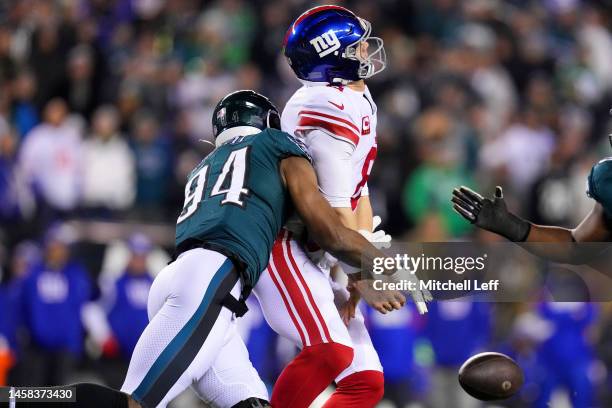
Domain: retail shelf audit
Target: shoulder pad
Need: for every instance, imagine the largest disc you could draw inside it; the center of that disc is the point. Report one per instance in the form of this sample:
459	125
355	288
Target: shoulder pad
328	109
289	145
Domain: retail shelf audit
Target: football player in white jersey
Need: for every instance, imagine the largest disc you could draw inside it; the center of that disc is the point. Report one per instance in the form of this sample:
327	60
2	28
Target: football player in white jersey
331	51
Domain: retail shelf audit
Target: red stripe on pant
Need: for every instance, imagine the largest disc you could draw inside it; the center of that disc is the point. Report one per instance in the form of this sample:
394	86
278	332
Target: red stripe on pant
286	302
308	293
295	295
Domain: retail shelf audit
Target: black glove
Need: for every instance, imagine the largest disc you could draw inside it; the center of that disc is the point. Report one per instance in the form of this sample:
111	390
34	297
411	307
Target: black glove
490	214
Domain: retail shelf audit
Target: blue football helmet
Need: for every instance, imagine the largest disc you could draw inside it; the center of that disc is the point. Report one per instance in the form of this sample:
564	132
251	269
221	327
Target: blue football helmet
325	45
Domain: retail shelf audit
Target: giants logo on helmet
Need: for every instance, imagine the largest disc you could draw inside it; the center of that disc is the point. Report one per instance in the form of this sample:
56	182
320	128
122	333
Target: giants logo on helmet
326	43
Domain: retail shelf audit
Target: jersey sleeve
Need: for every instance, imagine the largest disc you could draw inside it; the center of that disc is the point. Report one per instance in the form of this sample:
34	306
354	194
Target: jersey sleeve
599	184
326	110
332	162
365	191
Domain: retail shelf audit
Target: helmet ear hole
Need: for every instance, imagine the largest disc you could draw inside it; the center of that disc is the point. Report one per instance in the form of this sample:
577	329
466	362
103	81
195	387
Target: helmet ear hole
273	120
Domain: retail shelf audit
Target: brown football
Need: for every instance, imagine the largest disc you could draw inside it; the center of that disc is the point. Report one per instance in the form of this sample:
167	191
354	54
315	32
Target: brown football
490	376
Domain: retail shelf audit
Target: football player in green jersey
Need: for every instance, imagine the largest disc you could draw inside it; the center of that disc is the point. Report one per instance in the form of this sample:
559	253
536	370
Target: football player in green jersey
236	201
491	214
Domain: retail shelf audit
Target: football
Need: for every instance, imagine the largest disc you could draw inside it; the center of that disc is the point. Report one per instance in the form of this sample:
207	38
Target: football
490	376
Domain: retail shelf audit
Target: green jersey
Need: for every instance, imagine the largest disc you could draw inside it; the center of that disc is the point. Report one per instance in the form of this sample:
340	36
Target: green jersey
235	200
599	185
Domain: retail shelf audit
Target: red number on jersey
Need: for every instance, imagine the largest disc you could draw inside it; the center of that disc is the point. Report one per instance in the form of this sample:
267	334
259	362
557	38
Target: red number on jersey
365	173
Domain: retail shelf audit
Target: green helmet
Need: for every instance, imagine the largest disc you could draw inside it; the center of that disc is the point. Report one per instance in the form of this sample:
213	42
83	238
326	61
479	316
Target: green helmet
243	113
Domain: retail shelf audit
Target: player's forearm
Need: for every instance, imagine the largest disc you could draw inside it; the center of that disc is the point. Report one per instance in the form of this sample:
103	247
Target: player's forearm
347	217
546	233
491	214
582	245
554	243
364	214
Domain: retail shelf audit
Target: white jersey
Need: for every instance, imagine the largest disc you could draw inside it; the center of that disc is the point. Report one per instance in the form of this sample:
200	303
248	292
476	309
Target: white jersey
338	125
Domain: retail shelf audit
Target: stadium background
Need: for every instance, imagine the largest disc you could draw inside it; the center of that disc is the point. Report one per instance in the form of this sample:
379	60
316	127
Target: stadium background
102	107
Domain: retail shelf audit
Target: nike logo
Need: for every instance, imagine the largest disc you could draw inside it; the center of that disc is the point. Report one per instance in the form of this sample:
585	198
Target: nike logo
341	107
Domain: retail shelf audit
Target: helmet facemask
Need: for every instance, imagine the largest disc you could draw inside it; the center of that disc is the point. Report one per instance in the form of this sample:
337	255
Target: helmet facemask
376	61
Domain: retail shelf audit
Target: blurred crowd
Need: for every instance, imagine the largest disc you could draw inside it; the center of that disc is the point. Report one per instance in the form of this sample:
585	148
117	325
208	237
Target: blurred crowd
105	107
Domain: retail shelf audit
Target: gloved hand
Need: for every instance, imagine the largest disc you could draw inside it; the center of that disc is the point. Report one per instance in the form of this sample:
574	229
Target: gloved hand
380	238
490	214
420	297
327	261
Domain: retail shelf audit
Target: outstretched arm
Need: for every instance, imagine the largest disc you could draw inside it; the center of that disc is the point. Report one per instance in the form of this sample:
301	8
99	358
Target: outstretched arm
492	215
593	228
